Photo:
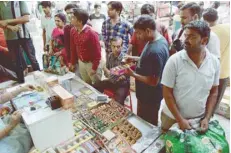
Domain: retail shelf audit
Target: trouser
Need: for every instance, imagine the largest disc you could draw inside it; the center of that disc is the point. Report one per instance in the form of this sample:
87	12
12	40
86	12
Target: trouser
121	91
6	73
28	47
85	69
166	122
148	111
221	89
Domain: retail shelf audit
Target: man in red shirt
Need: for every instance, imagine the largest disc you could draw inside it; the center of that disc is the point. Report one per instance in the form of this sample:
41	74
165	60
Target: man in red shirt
85	47
136	46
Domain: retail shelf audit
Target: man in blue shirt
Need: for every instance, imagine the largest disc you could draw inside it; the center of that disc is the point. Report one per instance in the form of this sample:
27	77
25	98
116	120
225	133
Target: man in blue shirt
115	26
149	69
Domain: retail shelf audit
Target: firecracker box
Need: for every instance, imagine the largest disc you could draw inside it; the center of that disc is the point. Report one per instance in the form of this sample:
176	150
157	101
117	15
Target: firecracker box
121	69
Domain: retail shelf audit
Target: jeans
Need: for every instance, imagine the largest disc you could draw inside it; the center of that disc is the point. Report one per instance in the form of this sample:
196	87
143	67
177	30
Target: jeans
28	47
121	91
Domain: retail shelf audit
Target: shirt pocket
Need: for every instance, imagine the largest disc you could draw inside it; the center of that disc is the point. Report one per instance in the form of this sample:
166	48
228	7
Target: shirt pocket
208	79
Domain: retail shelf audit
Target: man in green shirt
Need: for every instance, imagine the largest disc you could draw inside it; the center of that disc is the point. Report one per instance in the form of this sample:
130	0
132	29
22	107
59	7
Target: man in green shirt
13	18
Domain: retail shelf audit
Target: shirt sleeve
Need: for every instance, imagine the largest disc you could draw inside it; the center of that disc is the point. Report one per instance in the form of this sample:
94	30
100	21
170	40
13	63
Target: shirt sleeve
104	30
74	57
169	73
217	74
24	8
214	45
96	50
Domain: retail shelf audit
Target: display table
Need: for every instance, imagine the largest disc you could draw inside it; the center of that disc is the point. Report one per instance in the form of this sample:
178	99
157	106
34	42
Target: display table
86	103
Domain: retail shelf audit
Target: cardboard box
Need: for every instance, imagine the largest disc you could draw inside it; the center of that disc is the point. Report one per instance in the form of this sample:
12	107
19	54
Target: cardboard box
120	70
49	128
224	108
67	99
52	81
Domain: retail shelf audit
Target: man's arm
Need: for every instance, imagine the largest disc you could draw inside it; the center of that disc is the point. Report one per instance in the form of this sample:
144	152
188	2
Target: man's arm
44	39
19	20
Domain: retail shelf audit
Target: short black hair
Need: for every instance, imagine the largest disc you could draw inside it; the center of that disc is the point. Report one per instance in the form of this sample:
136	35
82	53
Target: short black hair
144	22
201	3
116	39
210	15
62	17
46	4
193	7
216	4
201	27
70	6
116	5
97	5
147	9
81	15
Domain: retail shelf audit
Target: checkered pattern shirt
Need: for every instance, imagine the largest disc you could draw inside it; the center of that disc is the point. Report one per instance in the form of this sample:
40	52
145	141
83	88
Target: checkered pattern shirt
121	29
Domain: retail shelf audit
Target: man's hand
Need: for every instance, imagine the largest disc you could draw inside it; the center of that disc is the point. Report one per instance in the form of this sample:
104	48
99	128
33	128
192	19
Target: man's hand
57	53
204	125
122	77
15	118
184	125
15	28
72	67
3	23
129	59
93	72
129	72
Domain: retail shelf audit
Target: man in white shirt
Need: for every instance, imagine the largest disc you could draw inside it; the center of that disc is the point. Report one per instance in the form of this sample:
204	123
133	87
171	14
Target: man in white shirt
47	23
192	12
190	81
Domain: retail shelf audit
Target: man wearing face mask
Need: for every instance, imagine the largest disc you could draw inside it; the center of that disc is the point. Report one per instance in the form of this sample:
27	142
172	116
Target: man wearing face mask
192	12
149	69
190	81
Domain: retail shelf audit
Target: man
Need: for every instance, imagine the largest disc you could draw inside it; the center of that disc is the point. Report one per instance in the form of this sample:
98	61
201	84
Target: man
97	19
119	84
67	29
136	46
115	26
210	15
215	5
13	18
149	69
47	23
85	47
192	12
190	81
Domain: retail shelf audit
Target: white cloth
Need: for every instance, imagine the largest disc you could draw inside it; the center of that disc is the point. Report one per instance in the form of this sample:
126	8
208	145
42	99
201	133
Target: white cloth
48	23
214	45
191	85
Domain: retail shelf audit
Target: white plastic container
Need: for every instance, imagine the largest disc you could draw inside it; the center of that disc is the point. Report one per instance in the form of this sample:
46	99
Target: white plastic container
49	128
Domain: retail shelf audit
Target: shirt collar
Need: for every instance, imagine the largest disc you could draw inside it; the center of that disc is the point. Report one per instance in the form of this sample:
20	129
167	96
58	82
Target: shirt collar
120	57
185	56
84	27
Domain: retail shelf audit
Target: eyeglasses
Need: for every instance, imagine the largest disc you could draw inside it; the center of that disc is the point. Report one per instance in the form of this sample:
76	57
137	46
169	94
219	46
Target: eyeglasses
113	46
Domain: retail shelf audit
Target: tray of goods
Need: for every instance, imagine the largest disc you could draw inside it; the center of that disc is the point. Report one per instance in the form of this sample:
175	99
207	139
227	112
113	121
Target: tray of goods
130	133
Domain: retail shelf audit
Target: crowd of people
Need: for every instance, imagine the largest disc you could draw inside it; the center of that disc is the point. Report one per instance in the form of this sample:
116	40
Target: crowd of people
187	73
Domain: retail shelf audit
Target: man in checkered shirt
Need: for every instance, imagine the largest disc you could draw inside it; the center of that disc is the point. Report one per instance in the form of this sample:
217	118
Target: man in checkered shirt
115	26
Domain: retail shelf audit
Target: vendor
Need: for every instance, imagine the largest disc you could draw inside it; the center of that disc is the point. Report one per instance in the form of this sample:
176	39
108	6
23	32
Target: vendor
119	84
190	81
14	137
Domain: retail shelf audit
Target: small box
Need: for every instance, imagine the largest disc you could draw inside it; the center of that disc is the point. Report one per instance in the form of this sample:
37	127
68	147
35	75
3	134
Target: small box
120	70
67	99
52	80
48	128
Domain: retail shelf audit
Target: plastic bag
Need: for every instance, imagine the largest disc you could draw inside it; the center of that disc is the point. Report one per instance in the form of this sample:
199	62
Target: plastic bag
191	141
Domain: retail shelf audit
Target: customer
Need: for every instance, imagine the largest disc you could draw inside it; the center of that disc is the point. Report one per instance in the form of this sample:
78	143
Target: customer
137	45
190	81
85	48
115	26
149	69
119	84
210	15
67	29
192	12
13	20
47	23
97	19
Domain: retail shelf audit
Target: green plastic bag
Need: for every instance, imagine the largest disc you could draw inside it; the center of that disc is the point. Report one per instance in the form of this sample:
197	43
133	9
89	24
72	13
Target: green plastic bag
191	141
